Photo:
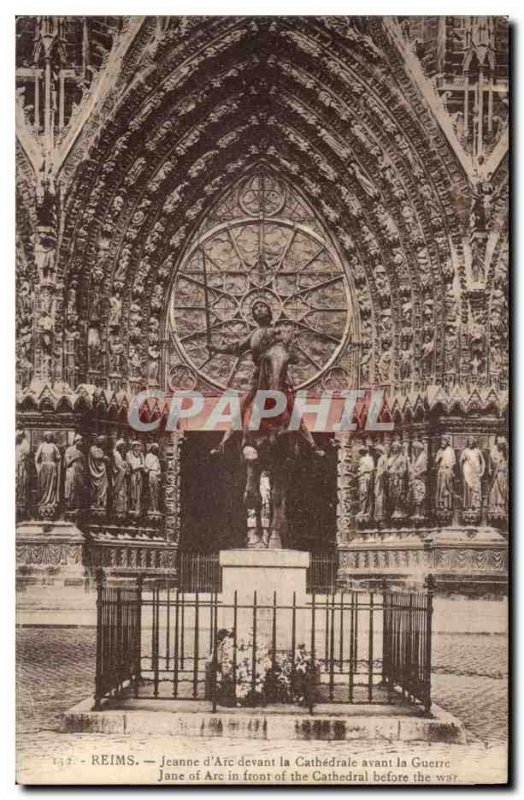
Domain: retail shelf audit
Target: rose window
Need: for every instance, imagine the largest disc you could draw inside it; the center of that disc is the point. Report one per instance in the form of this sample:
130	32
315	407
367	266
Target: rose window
261	241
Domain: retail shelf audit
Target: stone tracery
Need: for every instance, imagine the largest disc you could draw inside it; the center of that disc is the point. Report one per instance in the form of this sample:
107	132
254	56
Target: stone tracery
264	243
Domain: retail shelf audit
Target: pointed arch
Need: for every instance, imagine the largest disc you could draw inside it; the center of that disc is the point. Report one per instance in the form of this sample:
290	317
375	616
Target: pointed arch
175	139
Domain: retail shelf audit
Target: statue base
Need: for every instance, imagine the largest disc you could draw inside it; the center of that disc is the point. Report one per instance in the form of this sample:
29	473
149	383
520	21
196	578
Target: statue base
52	581
462	558
278	577
265	572
45	543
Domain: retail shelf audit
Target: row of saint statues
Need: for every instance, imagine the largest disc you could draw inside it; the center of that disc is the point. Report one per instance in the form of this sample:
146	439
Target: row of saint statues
393	484
128	480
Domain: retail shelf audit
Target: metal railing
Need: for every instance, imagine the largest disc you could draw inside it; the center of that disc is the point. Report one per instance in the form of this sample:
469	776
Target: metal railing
118	636
158	642
407	624
322	573
199	572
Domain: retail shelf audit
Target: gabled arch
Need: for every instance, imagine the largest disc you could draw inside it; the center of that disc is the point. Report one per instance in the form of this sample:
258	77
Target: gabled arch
350	142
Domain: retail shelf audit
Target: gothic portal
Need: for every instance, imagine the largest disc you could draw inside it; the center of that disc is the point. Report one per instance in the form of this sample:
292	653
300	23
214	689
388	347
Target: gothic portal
350	172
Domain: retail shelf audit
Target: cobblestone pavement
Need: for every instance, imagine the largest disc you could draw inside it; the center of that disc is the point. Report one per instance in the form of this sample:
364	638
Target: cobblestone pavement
470	681
56	668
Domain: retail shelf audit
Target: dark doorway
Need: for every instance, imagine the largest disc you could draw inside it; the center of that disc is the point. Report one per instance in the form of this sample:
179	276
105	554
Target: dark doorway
212	513
312	499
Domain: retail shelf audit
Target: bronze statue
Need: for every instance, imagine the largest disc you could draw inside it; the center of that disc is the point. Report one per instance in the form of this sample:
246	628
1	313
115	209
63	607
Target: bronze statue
271	357
271	447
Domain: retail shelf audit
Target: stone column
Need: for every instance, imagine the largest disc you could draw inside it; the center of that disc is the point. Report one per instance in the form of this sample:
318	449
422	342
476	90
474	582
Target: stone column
172	486
46	289
345	517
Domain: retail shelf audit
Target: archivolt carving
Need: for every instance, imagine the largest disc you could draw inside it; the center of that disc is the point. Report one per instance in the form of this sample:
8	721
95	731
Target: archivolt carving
153	169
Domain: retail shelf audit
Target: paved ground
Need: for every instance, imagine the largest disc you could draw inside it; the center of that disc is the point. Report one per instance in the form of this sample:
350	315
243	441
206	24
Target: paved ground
56	668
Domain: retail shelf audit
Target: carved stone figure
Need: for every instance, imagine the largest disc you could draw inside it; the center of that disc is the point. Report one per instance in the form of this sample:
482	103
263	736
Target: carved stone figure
477	347
120	471
47	462
115	311
498	491
385	365
366	469
93	346
406	362
417	474
445	461
71	309
135	461
427	354
478	253
99	481
135	362
22	471
473	467
397	475
45	252
116	351
381	483
75	474
154	477
152	366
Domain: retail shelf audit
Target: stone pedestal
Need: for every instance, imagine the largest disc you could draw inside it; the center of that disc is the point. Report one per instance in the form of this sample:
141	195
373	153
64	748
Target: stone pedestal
465	558
274	575
264	572
44	544
53	587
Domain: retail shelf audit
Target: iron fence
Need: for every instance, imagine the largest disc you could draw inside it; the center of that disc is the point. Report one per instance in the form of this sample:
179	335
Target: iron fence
199	572
407	624
322	573
118	636
156	641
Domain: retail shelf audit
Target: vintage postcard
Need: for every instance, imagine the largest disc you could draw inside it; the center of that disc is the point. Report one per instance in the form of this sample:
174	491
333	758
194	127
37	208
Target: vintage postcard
262	438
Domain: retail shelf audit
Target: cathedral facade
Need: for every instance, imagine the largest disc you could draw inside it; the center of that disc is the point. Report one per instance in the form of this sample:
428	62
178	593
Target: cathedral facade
350	173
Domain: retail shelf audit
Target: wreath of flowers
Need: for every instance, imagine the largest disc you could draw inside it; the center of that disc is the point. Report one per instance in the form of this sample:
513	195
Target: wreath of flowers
284	678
